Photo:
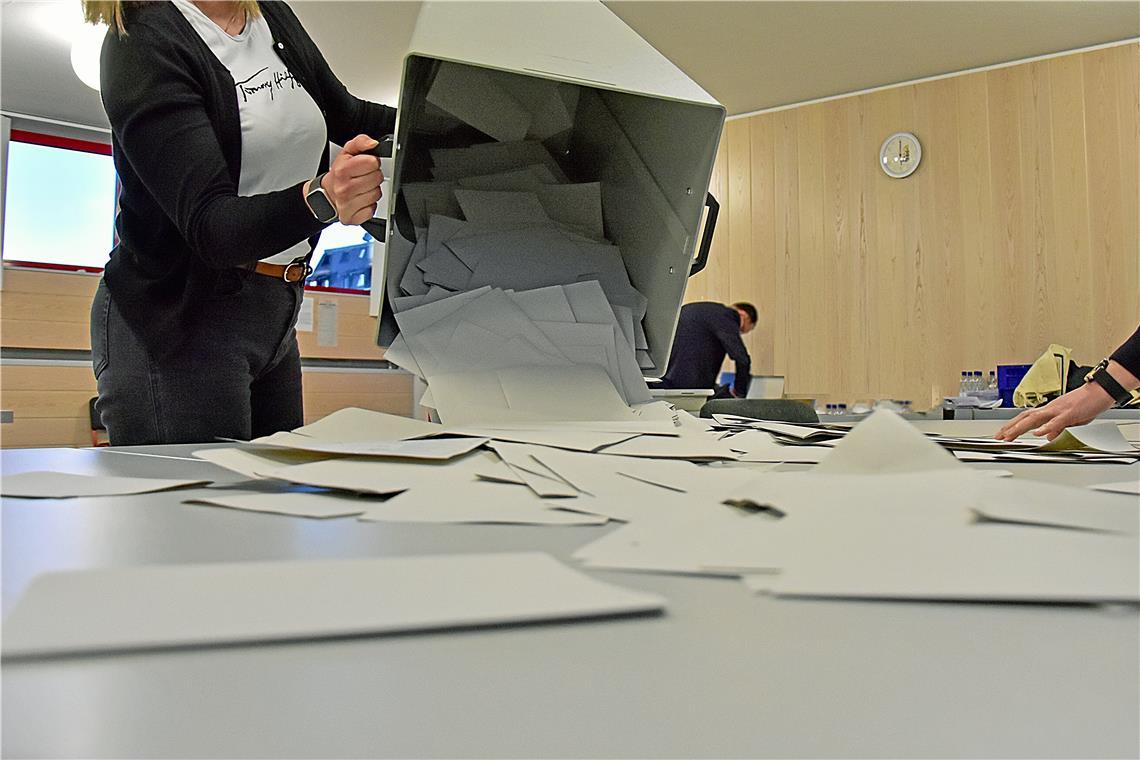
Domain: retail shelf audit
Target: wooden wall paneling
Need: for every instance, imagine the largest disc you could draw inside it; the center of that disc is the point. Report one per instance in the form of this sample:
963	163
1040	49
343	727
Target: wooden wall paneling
325	392
836	246
49	403
980	319
741	256
30	377
1019	228
940	237
318	405
816	289
697	286
862	153
1007	231
1106	226
52	310
719	267
887	279
22	333
767	340
1127	65
41	403
349	381
915	339
1037	186
785	176
46	309
1073	291
51	283
52	432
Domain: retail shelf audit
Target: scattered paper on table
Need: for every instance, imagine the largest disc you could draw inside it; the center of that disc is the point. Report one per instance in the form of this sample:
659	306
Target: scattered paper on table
65	485
156	606
480	502
1126	486
249	462
296	504
886	443
429	448
353	424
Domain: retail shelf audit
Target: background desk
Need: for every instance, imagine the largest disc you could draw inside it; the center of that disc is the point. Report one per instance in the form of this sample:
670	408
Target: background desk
722	673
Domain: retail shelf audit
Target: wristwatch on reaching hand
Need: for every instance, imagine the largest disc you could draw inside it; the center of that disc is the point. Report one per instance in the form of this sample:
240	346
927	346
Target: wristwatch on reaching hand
319	202
1100	376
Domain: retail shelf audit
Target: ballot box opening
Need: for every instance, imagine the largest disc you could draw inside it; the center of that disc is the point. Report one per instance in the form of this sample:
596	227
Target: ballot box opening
604	184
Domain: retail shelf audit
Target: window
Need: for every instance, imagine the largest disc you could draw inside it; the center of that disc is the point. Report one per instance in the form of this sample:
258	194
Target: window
60	202
342	259
60	214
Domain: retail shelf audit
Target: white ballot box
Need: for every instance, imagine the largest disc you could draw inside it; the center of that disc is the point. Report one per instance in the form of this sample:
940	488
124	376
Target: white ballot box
544	144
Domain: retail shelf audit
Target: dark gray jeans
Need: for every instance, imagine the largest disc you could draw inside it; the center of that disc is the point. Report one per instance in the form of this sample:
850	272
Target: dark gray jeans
237	375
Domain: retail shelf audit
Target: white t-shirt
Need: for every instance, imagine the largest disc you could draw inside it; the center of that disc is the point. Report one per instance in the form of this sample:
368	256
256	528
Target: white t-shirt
282	130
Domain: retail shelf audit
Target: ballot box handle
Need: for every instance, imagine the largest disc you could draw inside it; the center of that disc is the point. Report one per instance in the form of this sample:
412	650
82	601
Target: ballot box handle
706	238
377	227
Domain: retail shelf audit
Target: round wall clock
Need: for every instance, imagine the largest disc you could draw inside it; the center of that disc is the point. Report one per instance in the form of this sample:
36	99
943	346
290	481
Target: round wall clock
900	155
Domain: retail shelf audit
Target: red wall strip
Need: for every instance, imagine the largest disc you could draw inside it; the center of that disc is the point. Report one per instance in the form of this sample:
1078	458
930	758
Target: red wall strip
52	141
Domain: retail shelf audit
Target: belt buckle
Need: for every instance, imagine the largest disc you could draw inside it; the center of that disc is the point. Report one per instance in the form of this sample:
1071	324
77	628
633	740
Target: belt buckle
305	269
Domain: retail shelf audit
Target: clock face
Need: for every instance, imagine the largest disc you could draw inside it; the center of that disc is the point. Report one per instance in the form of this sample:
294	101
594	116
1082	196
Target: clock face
900	155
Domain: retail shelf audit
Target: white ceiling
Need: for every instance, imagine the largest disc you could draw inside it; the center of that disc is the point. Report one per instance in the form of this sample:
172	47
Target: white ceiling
756	55
750	55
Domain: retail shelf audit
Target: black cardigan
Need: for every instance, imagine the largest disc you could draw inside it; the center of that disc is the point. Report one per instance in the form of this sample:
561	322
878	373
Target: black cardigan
176	140
1128	355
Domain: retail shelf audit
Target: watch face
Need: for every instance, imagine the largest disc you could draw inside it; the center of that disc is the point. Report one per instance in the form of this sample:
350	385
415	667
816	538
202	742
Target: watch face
322	207
900	155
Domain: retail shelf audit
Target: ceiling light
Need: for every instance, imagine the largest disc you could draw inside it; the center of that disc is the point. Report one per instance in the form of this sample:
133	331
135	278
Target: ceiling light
85	48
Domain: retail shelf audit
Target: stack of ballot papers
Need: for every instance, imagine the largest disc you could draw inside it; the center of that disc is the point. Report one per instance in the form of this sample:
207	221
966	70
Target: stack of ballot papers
501	211
1094	443
511	302
521	226
383	468
889	513
558	353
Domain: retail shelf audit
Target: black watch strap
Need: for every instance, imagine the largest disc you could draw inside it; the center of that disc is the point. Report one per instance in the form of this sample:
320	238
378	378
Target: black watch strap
319	202
1100	376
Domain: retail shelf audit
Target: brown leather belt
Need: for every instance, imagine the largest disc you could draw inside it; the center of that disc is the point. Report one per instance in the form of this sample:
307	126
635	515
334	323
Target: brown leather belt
294	271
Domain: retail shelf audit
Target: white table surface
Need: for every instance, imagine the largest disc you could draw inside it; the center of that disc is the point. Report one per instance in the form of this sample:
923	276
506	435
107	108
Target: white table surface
723	673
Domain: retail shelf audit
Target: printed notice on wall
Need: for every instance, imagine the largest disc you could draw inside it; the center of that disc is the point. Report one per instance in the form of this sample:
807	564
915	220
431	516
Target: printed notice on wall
326	323
305	315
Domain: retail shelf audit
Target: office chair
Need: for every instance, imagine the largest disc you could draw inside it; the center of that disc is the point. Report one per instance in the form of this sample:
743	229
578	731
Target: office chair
776	409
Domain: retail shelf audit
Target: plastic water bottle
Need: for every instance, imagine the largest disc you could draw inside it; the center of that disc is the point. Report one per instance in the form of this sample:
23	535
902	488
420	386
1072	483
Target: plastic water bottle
831	410
841	409
964	384
992	385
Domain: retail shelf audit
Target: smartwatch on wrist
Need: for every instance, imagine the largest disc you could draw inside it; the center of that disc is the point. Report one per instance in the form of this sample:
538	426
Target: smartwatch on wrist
319	202
1100	376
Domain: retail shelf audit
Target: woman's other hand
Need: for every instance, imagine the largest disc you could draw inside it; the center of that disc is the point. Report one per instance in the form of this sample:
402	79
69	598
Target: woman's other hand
353	181
1077	407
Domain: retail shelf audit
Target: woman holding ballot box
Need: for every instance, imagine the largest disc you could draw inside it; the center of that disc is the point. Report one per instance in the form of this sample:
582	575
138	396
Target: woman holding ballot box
221	115
1110	383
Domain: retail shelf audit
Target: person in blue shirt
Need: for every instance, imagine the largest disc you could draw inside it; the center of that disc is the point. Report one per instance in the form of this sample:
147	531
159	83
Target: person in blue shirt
706	332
